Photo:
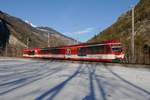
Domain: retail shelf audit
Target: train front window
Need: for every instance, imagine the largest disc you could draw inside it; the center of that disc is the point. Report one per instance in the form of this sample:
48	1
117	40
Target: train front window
116	48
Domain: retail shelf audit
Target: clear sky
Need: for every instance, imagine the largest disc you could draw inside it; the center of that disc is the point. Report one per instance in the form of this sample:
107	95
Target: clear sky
80	19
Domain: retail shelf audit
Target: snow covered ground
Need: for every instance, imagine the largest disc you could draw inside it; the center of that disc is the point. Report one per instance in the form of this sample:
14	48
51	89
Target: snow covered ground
25	79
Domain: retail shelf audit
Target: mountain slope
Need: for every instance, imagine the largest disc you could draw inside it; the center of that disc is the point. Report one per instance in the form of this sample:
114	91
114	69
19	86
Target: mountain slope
54	35
14	34
121	30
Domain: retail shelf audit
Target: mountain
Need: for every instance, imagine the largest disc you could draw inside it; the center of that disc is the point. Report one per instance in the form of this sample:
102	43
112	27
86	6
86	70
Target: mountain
55	36
14	34
122	29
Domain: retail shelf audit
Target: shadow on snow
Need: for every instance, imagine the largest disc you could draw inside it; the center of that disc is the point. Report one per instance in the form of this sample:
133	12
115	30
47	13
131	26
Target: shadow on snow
92	77
27	80
55	90
129	83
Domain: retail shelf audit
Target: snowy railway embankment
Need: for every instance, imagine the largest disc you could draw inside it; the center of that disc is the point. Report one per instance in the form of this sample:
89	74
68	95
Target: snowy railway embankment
25	79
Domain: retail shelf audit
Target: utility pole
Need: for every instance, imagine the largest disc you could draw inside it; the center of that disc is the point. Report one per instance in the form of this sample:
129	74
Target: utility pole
27	42
132	38
75	41
48	42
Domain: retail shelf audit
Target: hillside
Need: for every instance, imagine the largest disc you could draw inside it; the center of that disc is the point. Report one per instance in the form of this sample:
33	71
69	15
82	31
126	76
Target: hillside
14	34
121	30
57	38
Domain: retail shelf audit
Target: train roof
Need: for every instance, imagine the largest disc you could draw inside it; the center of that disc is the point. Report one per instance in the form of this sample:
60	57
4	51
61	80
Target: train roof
90	44
81	45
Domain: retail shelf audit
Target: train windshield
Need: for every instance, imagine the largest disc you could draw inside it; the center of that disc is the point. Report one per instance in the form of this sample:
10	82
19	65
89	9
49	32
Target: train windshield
116	48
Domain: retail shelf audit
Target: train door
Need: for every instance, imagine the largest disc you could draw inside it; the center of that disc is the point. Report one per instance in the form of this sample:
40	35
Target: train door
68	53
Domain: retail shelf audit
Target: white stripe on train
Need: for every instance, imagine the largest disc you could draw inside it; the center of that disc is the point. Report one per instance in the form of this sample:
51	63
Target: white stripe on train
97	56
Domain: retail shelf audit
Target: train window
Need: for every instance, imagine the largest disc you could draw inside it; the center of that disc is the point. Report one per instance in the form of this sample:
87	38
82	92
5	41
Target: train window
95	49
82	52
117	48
45	50
101	49
88	50
107	49
54	51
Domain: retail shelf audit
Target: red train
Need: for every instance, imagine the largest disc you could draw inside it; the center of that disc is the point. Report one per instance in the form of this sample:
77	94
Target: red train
108	51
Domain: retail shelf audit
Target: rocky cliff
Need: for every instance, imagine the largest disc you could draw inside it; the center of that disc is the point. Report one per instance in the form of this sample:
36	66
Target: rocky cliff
16	34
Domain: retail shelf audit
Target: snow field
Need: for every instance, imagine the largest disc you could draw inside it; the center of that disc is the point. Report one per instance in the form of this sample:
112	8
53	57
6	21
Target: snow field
26	79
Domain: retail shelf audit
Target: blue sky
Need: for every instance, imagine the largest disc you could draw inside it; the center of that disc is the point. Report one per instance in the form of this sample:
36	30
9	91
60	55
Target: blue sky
80	19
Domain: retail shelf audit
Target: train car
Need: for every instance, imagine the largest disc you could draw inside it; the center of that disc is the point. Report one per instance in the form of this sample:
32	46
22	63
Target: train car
107	51
28	53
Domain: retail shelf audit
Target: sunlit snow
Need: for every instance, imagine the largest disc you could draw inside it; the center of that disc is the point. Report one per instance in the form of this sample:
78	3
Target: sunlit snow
26	79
